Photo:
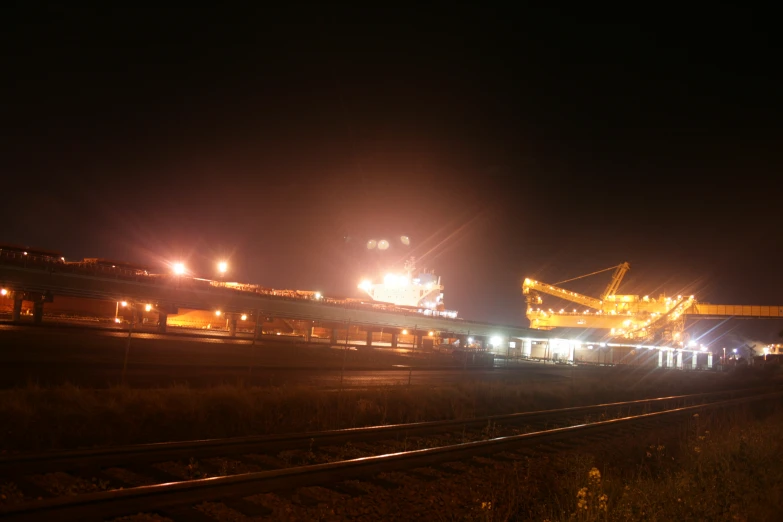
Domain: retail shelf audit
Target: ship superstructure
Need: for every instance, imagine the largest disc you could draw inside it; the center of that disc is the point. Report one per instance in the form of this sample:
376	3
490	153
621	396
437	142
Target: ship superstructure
417	289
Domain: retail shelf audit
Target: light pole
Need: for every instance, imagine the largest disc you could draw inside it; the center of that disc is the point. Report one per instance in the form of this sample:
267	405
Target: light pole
117	310
128	344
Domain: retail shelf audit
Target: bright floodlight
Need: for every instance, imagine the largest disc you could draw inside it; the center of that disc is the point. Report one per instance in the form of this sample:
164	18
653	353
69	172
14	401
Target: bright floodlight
495	341
365	285
244	317
124	303
371	244
405	332
735	350
389	279
383	244
405	240
3	292
148	307
217	313
318	295
179	268
432	333
222	267
691	343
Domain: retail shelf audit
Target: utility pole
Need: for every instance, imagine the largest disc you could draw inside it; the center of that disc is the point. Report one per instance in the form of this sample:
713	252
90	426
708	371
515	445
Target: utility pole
345	353
465	359
253	343
128	344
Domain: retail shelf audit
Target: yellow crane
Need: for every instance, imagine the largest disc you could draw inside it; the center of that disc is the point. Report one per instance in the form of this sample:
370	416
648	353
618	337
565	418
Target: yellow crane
625	315
622	314
530	287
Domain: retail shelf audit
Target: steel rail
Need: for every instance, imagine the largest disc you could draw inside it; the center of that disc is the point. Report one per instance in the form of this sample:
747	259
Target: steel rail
163	497
25	464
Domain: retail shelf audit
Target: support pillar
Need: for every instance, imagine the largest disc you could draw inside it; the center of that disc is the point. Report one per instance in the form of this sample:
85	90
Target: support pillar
162	318
333	338
418	341
309	334
660	358
38	307
679	360
17	314
527	347
368	342
571	352
669	359
695	361
709	360
394	340
232	325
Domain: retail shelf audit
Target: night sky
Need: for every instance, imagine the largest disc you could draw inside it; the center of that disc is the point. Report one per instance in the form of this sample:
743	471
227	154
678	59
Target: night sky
542	143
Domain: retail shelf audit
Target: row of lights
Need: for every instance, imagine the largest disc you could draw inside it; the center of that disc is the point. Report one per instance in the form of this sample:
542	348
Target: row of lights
243	317
179	268
148	308
222	267
124	304
431	333
383	244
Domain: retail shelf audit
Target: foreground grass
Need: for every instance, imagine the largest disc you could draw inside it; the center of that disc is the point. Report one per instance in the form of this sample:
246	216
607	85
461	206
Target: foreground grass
721	466
36	418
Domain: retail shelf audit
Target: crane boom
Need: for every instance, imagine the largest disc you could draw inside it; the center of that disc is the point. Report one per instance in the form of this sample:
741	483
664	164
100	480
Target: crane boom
617	278
562	293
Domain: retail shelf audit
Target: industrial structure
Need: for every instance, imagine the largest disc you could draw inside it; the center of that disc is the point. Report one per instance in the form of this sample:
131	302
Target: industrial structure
39	283
625	316
421	292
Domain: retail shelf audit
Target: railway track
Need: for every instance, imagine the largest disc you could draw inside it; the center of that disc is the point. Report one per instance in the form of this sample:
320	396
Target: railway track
287	462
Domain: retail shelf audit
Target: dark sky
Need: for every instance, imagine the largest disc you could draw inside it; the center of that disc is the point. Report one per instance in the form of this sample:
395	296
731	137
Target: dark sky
505	143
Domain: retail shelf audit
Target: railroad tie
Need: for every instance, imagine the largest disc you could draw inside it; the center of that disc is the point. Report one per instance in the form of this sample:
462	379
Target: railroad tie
345	489
31	489
297	497
151	472
247	507
185	514
383	483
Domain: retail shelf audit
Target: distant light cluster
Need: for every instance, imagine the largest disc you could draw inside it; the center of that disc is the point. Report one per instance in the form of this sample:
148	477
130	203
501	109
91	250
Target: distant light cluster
384	244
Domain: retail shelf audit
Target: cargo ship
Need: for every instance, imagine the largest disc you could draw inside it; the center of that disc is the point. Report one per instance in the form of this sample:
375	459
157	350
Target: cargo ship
417	290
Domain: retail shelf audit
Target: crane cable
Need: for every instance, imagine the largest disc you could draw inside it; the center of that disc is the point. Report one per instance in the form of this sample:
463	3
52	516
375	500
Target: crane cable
586	275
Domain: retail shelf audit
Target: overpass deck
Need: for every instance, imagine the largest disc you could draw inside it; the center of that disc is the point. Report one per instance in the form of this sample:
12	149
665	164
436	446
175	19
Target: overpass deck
186	293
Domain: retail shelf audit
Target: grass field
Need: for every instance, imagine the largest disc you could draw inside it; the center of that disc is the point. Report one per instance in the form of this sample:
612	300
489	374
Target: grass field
37	418
714	467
